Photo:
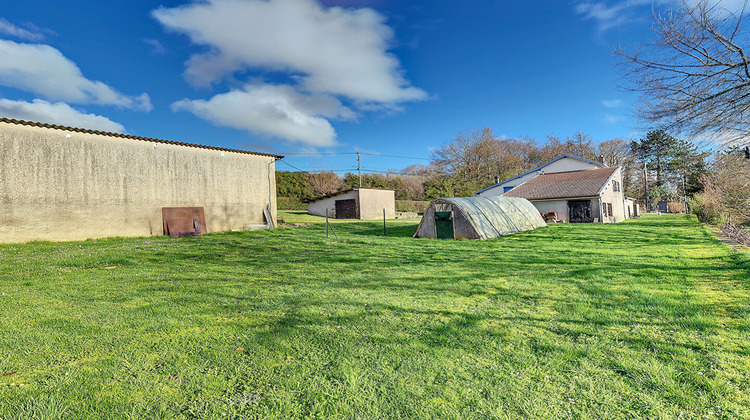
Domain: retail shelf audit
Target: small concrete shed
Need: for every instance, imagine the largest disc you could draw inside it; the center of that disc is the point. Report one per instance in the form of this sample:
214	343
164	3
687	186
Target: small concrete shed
478	218
355	203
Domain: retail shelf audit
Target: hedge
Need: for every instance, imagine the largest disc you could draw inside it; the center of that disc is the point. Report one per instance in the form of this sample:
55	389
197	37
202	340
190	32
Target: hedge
409	206
290	203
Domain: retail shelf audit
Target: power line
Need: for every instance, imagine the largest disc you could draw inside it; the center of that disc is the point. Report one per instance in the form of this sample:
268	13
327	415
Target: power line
354	153
393	172
393	156
352	170
289	164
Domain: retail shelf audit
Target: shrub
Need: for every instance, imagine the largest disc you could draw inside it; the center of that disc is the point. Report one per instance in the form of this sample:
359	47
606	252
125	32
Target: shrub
410	206
725	199
290	203
706	208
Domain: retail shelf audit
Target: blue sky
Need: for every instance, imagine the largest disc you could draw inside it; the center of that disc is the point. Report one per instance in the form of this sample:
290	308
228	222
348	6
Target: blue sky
307	78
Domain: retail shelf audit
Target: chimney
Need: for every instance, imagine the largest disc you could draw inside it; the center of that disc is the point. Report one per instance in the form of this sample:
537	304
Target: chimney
601	160
497	179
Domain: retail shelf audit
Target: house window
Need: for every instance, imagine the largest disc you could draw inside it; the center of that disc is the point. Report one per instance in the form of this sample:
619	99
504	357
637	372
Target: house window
615	186
607	209
506	189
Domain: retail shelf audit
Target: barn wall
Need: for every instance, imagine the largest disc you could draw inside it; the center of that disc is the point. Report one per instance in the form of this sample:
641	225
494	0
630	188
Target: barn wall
318	207
372	202
54	187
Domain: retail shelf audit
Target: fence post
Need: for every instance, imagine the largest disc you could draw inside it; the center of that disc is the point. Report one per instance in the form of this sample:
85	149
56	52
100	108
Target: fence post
383	222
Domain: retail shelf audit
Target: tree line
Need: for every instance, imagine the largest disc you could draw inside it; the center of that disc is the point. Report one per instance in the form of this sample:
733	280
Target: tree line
476	159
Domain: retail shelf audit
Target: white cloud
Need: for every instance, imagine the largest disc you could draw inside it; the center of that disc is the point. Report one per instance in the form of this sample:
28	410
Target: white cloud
59	113
613	119
610	14
326	52
8	28
331	50
156	47
279	111
45	71
611	103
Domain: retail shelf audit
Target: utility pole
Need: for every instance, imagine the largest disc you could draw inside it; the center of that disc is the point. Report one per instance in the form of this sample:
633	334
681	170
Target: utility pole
645	186
359	170
684	196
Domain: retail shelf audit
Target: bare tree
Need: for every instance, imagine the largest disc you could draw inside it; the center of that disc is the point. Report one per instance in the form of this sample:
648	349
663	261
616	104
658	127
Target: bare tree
324	182
617	152
695	78
471	156
580	144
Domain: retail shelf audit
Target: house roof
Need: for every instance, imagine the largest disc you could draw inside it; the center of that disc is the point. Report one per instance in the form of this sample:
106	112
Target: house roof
333	194
574	184
128	136
538	168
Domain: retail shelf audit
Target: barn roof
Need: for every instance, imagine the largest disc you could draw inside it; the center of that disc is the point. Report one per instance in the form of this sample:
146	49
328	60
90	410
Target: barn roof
333	194
588	183
128	136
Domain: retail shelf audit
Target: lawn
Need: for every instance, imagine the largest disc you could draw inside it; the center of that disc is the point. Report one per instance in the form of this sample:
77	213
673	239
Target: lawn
648	318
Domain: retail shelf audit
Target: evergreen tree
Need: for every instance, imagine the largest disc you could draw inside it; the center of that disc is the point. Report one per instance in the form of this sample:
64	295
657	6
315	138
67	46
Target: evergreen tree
688	164
657	149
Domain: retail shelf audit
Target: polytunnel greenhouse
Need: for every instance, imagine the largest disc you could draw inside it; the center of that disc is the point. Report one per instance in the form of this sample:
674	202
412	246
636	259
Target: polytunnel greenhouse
478	218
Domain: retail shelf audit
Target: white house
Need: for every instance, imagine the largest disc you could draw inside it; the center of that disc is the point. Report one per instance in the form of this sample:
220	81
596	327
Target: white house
593	195
563	163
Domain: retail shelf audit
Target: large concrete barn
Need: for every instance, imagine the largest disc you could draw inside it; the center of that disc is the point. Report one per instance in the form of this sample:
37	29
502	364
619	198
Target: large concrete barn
64	183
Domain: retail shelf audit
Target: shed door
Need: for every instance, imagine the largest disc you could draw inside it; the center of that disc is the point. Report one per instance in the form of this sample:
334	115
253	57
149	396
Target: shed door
346	209
444	224
580	212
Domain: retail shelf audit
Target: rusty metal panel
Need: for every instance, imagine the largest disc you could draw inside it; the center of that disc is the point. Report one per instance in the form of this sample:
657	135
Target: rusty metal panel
183	221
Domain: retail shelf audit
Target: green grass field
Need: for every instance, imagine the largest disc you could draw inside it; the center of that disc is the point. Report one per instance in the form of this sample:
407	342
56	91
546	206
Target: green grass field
648	318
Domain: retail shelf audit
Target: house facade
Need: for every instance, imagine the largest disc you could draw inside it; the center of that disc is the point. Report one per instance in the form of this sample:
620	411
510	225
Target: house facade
65	183
355	203
585	196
